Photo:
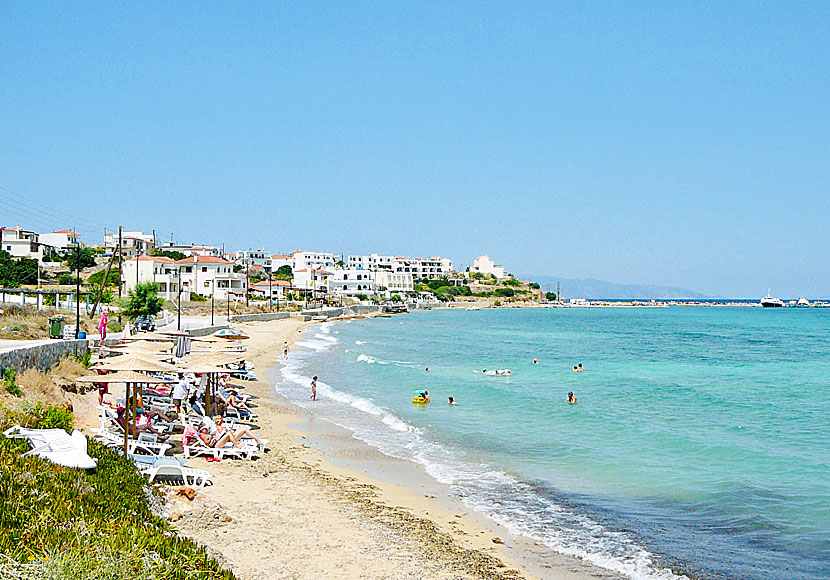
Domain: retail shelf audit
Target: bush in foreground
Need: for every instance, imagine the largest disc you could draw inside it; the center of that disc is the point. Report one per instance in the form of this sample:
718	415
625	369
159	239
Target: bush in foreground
58	522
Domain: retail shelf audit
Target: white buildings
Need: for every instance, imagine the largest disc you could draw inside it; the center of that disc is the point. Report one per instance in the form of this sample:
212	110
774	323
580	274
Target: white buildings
192	250
484	265
352	281
275	289
133	244
61	240
277	261
21	243
312	281
431	268
391	282
248	258
198	274
315	260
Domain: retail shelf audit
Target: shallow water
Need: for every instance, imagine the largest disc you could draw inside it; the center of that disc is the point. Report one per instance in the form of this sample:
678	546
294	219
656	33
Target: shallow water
699	444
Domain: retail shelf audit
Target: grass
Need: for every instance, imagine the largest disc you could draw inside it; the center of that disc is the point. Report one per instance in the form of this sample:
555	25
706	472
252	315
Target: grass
18	323
57	522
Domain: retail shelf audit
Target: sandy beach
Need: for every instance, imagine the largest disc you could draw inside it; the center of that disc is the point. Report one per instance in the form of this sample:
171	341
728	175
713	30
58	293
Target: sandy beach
301	512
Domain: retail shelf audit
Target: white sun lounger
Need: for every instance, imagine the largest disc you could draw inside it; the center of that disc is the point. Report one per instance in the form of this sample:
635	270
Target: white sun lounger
199	447
171	468
56	445
107	437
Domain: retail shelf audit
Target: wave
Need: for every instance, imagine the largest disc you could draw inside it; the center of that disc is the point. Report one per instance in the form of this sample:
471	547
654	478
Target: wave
360	342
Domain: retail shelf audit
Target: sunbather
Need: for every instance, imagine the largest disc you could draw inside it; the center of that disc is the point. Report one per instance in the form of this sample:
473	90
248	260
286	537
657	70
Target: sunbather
220	435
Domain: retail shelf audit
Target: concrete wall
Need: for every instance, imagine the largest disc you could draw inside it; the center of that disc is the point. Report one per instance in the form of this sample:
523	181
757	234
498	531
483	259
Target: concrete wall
42	356
260	317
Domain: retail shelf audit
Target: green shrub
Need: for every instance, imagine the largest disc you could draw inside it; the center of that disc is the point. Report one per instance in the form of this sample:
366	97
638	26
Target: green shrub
9	384
511	282
194	297
67	279
85	358
505	292
497	303
114	326
57	522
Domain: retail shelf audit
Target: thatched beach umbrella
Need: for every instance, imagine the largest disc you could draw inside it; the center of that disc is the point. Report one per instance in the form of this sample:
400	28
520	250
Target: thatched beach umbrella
136	362
128	378
147	345
205	368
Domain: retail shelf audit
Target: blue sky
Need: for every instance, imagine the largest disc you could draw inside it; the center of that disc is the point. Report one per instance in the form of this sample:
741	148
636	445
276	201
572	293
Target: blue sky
680	144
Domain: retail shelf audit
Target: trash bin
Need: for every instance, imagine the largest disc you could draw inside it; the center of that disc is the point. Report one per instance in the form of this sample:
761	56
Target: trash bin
56	328
81	335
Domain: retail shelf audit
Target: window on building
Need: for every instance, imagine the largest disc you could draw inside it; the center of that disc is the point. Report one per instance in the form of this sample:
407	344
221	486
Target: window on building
204	268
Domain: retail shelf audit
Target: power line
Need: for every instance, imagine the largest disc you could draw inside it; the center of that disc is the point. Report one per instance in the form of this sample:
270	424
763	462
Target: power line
25	202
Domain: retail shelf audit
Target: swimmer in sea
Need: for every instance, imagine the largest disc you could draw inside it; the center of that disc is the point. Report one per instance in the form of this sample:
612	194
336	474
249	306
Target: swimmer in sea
426	396
576	369
571	397
536	361
427	370
451	401
579	367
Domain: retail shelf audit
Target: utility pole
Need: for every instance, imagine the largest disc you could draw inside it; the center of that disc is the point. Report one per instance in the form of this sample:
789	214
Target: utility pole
179	324
558	294
247	269
120	272
77	286
270	293
212	295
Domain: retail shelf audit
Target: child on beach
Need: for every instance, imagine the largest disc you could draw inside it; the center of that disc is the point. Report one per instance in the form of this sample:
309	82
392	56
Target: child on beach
285	349
313	396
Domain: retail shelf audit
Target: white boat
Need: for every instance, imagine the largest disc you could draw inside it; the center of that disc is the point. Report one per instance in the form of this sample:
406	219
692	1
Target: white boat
803	303
769	302
474	308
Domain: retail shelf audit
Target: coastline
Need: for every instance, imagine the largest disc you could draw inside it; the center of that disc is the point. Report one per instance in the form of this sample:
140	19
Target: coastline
323	504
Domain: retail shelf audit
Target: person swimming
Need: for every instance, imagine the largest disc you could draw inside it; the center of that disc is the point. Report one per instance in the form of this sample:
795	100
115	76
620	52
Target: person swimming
579	367
571	397
451	401
536	361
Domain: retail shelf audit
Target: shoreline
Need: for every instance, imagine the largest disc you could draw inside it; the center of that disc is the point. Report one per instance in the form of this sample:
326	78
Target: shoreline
322	504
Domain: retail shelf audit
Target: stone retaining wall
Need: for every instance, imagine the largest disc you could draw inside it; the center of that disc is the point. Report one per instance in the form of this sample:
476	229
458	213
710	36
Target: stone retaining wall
42	356
260	317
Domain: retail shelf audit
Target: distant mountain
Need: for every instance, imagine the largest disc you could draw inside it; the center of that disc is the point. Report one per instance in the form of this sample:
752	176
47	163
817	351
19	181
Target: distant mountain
602	289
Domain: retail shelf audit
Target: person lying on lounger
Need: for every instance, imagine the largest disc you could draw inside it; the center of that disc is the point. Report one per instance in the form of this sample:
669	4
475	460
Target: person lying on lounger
220	435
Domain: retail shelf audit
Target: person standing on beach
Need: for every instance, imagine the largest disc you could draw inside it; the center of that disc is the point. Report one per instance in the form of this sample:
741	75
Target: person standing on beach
285	349
313	396
102	327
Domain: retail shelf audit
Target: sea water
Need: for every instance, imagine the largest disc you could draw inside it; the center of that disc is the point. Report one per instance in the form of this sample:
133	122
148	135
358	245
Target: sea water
700	445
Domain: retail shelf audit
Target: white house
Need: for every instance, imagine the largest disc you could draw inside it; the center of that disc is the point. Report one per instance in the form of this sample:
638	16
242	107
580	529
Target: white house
192	250
394	282
277	261
373	262
248	258
61	240
484	265
201	275
315	260
21	243
275	289
352	281
431	268
312	281
133	244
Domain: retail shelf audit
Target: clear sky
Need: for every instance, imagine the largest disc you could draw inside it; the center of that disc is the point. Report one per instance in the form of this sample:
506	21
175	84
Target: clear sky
679	143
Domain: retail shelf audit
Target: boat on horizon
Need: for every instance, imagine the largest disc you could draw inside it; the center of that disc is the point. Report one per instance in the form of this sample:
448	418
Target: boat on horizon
769	302
803	303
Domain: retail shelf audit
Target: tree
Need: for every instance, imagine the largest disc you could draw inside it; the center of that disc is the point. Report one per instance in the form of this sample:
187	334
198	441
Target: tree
550	296
284	273
98	277
84	257
143	301
172	254
16	272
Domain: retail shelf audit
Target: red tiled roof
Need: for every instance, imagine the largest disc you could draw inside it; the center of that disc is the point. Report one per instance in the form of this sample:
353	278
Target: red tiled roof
273	283
315	271
146	258
297	252
65	232
281	257
203	260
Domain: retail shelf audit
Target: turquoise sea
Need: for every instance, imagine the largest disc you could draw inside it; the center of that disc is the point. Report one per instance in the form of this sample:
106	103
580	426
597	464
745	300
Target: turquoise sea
700	445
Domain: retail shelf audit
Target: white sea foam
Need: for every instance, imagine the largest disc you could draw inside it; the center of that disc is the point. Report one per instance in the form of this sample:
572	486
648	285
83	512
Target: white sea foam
360	342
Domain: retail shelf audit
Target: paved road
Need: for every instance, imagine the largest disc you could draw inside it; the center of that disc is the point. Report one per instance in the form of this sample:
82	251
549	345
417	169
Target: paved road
6	345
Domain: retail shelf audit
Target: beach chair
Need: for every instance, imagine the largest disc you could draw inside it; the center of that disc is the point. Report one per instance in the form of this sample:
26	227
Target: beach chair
196	447
170	468
112	439
55	445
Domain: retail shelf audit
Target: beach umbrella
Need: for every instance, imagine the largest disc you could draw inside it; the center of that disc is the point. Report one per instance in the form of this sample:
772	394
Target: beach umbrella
147	345
128	378
230	334
136	362
218	359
